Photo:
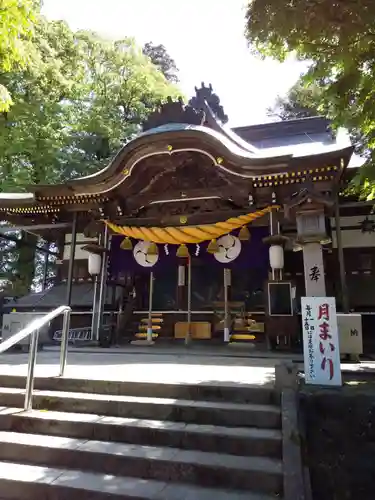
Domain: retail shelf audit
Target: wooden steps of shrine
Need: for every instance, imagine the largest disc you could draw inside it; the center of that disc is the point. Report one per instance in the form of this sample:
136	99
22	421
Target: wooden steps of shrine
157	320
154	327
242	336
154	320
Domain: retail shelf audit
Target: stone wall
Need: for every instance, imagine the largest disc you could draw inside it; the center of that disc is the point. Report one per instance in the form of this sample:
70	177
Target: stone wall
340	441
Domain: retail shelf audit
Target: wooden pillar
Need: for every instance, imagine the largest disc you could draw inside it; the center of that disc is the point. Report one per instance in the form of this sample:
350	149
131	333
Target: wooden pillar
69	284
340	253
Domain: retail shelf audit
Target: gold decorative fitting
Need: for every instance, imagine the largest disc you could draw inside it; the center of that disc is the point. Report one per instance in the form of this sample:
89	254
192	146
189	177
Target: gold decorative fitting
182	251
169	147
244	234
152	249
213	247
219	160
126	244
183	219
126	171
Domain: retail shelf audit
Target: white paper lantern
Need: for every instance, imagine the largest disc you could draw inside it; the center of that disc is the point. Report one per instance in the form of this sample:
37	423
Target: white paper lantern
276	257
94	263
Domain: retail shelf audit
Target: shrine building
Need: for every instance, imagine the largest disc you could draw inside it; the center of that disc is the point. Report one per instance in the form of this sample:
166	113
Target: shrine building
196	231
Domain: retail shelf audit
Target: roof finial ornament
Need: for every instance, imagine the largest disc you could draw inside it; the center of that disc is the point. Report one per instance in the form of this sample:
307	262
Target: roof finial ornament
205	96
174	111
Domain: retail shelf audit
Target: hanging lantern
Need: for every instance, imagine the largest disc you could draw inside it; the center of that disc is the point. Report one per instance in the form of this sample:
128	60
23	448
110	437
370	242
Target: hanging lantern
244	234
94	263
126	244
276	254
213	247
152	249
182	251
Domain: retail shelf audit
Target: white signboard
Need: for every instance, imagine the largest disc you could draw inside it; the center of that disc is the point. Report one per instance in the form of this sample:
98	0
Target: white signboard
320	341
350	333
314	270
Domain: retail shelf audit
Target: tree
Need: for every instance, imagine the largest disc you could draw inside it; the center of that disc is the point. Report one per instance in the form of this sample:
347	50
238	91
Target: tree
338	39
162	60
81	100
17	18
300	102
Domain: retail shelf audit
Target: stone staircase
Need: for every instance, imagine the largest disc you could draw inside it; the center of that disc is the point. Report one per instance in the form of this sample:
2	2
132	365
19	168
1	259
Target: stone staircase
101	440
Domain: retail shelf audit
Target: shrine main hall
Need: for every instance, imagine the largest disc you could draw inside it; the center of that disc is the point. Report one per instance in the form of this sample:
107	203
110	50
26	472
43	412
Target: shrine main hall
199	232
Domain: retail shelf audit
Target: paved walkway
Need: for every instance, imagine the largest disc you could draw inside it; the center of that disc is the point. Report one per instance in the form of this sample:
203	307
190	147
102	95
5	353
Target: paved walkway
135	365
174	364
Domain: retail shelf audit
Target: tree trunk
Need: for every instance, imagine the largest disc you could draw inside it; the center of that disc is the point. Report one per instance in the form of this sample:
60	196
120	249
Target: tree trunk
25	265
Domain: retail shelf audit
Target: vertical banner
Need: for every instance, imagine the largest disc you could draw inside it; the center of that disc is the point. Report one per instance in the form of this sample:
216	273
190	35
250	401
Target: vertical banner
315	285
320	341
181	275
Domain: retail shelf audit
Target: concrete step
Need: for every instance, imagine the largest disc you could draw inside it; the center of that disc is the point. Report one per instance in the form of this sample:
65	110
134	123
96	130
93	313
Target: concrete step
244	393
26	482
177	410
233	440
214	470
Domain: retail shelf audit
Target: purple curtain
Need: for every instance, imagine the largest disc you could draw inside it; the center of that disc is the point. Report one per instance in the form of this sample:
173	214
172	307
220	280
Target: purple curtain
253	255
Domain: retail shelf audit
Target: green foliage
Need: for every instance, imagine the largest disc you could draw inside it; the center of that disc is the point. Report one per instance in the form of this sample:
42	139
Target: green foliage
162	60
17	19
300	102
338	40
78	101
82	99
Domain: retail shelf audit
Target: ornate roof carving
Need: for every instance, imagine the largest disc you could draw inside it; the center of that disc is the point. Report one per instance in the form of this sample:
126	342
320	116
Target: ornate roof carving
205	96
174	112
194	113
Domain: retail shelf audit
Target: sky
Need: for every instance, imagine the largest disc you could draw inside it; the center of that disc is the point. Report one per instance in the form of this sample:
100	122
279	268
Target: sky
204	37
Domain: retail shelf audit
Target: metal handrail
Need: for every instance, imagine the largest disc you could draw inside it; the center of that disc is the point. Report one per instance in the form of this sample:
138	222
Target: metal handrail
33	330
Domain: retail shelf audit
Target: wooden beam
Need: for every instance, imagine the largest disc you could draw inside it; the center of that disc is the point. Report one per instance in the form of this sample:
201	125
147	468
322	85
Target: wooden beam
174	220
34	227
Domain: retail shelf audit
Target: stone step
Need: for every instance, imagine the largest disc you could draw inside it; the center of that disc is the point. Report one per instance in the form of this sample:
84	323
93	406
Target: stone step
259	474
244	393
178	410
233	440
27	482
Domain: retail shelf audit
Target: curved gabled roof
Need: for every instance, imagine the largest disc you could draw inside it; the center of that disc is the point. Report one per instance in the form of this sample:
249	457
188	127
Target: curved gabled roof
170	139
